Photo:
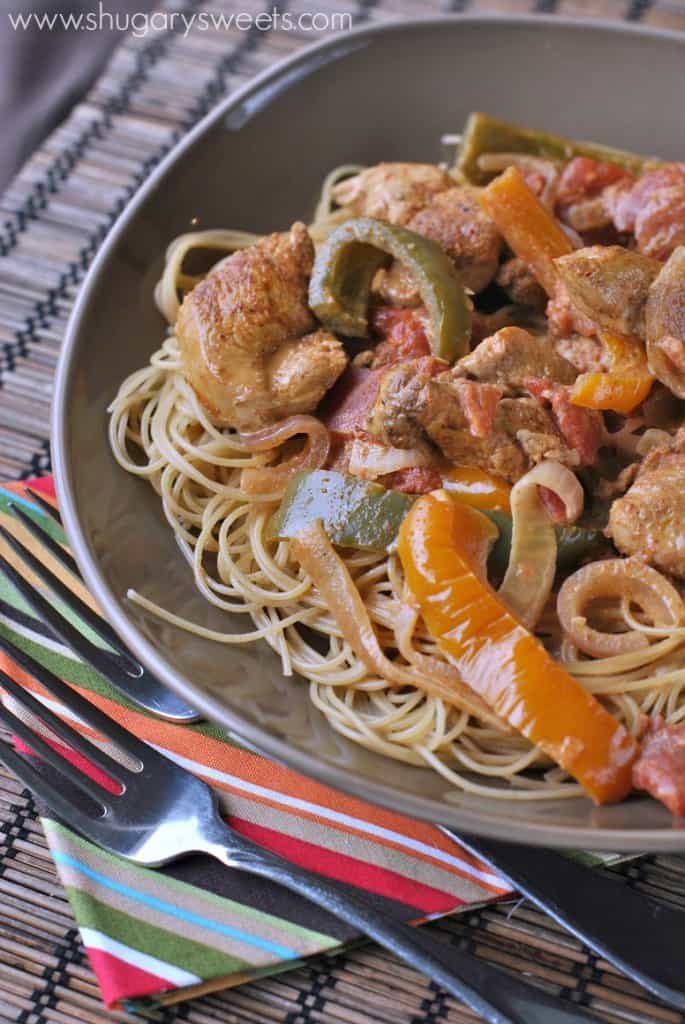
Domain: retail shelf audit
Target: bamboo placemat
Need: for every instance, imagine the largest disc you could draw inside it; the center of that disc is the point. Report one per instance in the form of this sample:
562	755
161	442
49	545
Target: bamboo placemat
53	218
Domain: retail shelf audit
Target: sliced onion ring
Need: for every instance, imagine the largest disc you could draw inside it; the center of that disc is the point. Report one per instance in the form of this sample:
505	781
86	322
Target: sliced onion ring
371	459
528	581
618	578
273	480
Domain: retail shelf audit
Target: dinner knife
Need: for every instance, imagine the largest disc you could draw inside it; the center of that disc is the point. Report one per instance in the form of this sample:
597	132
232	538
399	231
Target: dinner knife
642	938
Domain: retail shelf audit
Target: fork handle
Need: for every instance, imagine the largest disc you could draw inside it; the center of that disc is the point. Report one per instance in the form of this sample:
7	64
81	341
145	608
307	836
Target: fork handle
508	1000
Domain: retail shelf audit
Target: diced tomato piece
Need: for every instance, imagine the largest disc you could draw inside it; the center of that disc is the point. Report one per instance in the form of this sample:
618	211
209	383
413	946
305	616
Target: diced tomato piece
479	404
534	180
404	334
345	409
579	427
584	177
660	768
627	203
414	480
554	506
563	319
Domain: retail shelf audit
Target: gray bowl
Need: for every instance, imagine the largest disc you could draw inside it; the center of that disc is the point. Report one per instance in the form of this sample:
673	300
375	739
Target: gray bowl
382	93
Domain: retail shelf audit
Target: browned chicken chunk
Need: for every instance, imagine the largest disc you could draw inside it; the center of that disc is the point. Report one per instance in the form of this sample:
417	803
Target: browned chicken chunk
469	421
425	199
240	333
609	284
665	324
454	219
511	356
521	284
392	191
397	286
585	354
648	520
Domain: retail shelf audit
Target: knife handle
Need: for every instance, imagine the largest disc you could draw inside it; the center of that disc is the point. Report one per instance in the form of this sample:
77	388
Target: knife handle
640	937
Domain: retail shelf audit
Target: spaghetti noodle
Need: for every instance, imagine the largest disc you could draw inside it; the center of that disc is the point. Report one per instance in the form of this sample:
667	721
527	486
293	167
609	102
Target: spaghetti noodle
161	432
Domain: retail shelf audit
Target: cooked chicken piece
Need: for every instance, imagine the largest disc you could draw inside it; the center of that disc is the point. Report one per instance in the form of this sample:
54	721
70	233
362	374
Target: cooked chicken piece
653	208
512	355
586	355
397	286
444	420
520	284
392	191
468	421
240	336
394	416
455	220
609	284
648	521
301	371
665	324
425	199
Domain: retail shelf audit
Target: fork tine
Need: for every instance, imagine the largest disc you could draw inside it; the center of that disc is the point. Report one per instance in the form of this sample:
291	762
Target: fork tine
81	744
45	505
46	753
78	705
40	533
44	789
116	664
46	611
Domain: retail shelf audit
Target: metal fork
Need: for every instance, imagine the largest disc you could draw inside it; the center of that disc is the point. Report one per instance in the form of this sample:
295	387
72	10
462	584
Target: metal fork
163	812
626	928
114	662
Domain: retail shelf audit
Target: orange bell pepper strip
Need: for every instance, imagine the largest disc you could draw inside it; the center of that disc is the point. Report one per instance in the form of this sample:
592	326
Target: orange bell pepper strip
528	227
479	489
627	383
619	392
442	545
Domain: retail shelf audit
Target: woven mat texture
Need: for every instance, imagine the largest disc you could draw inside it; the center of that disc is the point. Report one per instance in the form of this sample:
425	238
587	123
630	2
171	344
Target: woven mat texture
53	218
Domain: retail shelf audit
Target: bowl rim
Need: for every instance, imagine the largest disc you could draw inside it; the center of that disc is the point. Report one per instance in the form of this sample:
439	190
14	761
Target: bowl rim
466	819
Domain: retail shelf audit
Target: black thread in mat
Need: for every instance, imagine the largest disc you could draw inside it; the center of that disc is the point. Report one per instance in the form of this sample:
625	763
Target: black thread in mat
11	830
434	1007
46	307
585	974
62	166
312	1002
217	86
46	997
545	7
637	9
458	6
41	461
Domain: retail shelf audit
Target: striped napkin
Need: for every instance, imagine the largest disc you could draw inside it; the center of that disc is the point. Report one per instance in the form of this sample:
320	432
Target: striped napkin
165	935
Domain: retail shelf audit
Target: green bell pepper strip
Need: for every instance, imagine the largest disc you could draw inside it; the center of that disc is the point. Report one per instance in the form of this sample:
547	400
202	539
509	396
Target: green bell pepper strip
361	514
485	134
354	513
573	544
345	266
